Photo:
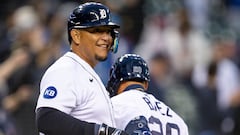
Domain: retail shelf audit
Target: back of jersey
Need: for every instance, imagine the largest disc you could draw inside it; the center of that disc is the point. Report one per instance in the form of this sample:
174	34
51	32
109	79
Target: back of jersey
161	119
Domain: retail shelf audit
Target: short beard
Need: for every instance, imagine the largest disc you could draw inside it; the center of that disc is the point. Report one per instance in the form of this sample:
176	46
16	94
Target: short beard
100	58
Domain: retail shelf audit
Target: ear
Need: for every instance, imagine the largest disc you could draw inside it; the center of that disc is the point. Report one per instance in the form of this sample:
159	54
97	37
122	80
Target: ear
75	34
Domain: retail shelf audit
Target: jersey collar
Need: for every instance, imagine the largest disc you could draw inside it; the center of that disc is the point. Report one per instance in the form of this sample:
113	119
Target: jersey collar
135	86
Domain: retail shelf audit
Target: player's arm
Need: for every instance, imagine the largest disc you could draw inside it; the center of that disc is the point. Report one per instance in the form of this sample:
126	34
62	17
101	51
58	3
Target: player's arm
138	126
51	121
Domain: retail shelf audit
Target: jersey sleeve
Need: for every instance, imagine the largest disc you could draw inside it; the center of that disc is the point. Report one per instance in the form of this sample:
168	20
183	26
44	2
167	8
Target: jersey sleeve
57	91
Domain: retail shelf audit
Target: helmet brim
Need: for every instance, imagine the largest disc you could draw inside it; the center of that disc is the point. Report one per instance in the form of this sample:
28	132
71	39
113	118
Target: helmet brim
110	24
113	25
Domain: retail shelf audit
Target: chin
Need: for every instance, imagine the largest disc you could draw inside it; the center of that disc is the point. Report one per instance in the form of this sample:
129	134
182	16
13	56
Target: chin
101	58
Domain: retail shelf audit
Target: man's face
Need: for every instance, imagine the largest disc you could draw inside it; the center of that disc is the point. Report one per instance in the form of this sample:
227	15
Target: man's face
95	43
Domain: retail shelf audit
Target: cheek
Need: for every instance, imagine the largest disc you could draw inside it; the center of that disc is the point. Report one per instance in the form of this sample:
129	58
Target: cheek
89	40
111	40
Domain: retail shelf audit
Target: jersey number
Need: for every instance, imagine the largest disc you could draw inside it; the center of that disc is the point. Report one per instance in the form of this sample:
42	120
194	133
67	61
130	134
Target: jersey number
169	127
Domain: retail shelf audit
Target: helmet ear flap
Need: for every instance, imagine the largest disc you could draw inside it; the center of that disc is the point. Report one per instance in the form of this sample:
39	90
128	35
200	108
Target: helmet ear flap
115	35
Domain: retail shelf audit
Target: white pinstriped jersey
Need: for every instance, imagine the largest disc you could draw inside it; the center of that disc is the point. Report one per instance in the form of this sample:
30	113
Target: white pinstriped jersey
72	86
161	119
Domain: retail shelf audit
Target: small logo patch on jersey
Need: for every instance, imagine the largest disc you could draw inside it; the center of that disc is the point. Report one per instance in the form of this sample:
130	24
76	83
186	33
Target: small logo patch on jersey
50	92
91	79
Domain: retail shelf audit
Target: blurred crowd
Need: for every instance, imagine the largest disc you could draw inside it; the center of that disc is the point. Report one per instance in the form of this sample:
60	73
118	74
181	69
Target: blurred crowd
192	48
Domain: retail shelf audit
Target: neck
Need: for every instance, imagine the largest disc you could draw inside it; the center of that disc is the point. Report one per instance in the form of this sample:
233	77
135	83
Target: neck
91	62
124	86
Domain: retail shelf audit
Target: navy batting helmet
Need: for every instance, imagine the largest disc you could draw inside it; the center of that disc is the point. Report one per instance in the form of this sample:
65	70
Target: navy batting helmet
127	67
92	14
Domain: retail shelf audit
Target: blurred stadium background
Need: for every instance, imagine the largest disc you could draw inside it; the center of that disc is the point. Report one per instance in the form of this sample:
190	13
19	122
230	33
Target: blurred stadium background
191	46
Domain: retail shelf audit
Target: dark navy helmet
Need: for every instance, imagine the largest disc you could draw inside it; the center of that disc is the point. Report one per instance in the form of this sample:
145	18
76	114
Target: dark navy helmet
92	14
127	67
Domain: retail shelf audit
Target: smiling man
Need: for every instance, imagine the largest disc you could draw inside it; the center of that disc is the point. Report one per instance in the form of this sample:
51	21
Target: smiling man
92	44
73	99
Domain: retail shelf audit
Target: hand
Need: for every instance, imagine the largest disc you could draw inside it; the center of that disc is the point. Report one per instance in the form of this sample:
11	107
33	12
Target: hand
138	126
106	130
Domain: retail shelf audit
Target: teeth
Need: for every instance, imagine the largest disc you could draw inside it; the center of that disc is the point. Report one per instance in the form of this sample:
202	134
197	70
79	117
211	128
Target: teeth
104	46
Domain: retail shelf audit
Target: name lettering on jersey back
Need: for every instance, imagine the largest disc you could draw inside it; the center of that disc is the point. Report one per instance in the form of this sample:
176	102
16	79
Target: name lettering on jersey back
50	92
156	106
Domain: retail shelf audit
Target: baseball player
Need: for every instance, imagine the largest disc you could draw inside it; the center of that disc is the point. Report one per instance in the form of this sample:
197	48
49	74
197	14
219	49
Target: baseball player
73	99
133	107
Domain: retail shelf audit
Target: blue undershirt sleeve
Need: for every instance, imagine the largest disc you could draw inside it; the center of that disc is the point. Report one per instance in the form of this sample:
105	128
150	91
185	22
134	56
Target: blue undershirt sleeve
51	121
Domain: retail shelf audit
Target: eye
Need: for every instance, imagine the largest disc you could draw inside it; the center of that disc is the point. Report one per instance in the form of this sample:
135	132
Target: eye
99	30
95	30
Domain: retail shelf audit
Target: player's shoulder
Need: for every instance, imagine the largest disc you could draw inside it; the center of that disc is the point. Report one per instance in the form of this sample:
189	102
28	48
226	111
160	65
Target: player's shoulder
69	62
131	97
130	94
165	106
61	65
60	68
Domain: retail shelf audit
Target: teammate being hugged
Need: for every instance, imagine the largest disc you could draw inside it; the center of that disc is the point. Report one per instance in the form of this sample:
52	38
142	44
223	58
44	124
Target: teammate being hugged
73	99
137	112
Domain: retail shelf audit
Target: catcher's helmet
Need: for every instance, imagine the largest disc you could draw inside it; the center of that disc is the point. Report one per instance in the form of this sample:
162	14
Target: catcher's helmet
92	14
127	67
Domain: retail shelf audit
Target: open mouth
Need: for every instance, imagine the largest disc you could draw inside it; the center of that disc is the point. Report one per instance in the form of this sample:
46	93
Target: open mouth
103	46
